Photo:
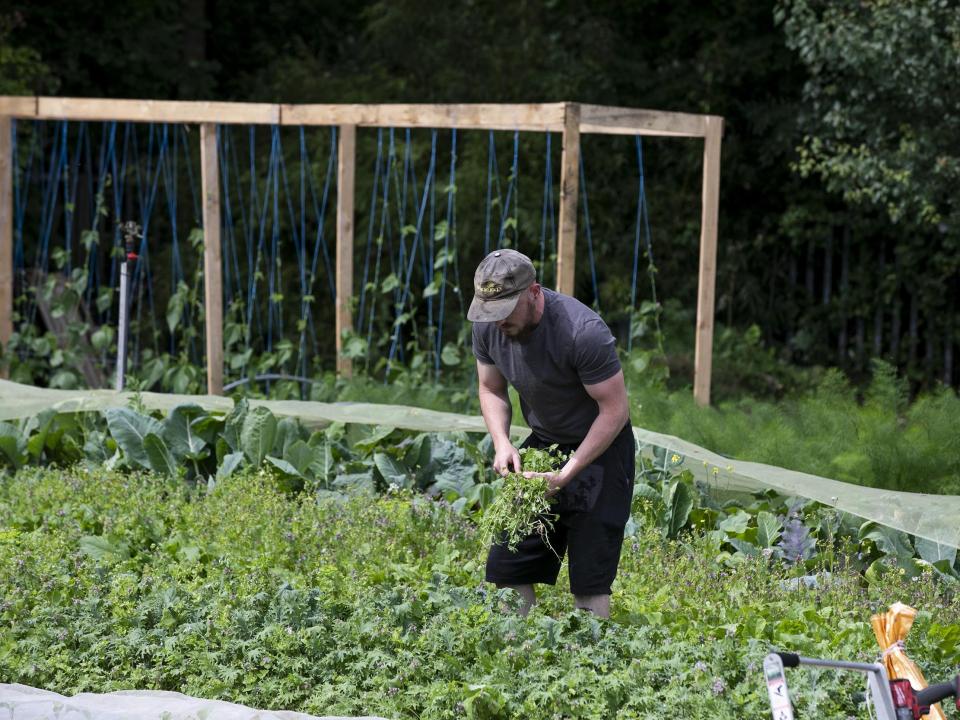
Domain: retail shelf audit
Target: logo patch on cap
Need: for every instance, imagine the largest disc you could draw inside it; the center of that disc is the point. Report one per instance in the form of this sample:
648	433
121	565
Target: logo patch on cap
489	289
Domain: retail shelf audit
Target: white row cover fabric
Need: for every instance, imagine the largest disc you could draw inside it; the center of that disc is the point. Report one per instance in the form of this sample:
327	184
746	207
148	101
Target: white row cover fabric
23	702
22	401
933	517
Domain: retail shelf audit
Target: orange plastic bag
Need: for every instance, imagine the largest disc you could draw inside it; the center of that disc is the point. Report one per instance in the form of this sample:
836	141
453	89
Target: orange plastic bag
891	628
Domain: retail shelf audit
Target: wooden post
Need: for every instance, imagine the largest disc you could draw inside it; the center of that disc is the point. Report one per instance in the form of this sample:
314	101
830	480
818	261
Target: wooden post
346	156
6	231
703	355
569	194
212	265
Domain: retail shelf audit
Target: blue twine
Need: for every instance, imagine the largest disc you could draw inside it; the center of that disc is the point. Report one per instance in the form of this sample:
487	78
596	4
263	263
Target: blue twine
191	180
416	240
71	181
651	266
321	245
493	176
512	191
120	178
231	269
21	188
383	234
272	276
586	220
108	148
142	280
451	192
176	266
548	215
427	257
358	323
254	263
48	206
321	239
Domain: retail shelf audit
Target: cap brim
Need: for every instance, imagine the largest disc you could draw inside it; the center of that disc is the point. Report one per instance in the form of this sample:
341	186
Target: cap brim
492	310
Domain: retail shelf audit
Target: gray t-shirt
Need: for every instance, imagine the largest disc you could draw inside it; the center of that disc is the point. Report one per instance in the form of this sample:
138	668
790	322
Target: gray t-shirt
570	348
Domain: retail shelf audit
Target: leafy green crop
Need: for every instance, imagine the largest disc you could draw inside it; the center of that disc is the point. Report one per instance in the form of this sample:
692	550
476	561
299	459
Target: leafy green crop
522	507
205	448
352	605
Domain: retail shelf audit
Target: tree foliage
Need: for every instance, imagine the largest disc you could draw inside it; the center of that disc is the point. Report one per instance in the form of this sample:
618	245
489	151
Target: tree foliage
883	102
22	71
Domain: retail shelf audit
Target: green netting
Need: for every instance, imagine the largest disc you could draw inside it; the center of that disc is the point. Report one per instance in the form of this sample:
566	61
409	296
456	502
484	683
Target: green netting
933	517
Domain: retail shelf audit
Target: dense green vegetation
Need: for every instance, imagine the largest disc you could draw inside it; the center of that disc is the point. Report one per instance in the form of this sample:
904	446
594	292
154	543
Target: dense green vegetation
874	435
353	604
339	570
202	448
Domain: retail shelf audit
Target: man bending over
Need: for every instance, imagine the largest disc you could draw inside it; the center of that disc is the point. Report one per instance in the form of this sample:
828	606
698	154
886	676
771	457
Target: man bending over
560	357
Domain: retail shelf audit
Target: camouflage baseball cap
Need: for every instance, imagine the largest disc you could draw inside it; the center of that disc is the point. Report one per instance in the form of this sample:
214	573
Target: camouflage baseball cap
500	279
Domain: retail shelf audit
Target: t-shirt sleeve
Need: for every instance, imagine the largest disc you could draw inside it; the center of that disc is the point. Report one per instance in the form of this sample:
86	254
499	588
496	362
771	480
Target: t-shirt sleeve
595	353
480	346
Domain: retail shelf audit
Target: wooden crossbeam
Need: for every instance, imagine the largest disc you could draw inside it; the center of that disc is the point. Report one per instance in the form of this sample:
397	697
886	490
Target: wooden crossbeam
628	121
528	117
13	106
531	117
172	111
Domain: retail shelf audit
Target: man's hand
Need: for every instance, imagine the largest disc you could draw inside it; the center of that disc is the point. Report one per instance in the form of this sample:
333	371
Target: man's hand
555	480
506	459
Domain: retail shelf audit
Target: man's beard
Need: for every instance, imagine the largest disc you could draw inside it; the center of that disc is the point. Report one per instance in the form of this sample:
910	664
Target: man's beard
521	335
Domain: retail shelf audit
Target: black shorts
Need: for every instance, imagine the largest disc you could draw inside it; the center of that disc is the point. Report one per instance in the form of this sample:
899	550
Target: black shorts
591	513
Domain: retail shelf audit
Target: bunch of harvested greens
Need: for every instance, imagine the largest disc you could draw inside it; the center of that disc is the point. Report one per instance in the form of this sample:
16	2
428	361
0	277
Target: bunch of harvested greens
522	506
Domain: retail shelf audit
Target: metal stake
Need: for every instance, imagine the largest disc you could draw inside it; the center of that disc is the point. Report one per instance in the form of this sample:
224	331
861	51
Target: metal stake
130	231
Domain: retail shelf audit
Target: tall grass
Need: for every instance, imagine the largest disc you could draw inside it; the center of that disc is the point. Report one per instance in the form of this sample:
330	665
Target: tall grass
874	438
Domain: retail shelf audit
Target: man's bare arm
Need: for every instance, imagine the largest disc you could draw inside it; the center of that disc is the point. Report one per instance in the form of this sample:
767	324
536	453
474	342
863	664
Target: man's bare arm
611	396
497	413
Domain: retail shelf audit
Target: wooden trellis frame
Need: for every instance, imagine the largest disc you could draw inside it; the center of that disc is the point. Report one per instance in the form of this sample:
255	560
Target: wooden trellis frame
571	119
